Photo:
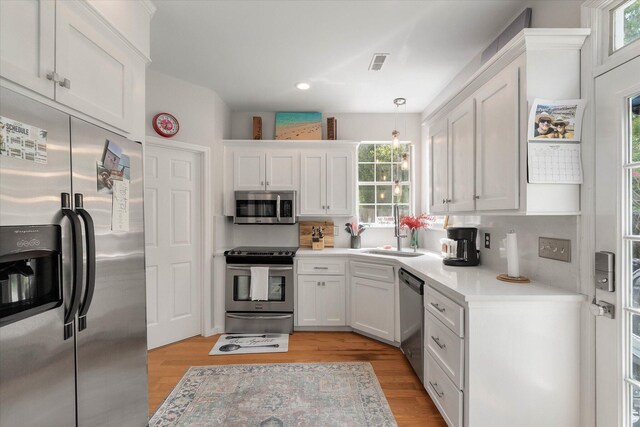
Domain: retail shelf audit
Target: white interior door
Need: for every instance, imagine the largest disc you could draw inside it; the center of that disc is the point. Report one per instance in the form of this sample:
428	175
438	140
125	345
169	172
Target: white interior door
617	207
173	234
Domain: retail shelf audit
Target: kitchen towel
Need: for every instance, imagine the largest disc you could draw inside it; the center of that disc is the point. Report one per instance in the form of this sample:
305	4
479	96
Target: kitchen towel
259	283
513	268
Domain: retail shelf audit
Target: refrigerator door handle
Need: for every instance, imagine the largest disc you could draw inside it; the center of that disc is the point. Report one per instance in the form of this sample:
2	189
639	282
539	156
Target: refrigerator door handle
90	240
76	277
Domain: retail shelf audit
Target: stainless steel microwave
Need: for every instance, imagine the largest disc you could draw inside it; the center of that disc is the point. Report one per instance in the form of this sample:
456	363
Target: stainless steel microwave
265	207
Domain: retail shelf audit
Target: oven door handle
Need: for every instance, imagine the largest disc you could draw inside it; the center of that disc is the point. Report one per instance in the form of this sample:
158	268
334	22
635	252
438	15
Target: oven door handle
237	316
233	267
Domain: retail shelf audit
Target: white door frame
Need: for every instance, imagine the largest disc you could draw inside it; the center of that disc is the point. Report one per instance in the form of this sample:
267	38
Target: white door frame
204	154
595	61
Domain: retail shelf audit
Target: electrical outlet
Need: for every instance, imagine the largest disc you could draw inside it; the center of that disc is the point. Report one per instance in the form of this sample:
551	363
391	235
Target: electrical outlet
487	240
558	249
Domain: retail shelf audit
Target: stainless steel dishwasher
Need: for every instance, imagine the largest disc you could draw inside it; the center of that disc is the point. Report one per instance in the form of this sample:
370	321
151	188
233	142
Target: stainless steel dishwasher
412	320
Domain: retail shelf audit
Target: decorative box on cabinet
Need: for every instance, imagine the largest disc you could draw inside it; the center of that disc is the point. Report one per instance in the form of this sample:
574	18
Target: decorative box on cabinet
71	56
537	63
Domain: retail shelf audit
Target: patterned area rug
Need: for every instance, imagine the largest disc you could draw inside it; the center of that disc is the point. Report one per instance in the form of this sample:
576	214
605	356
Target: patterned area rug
279	394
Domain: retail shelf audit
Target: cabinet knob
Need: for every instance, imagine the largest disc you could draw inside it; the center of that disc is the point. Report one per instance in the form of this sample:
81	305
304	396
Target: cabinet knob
476	197
328	207
261	182
65	83
448	200
268	183
444	201
323	206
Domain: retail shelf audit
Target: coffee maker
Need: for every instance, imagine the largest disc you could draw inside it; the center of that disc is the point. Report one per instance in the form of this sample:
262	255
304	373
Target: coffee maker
464	251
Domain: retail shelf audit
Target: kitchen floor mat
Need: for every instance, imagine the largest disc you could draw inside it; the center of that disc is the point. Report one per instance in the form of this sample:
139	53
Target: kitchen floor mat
250	343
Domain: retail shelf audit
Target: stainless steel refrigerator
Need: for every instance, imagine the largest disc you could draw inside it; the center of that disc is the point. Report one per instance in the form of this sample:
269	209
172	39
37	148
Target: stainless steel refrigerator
72	274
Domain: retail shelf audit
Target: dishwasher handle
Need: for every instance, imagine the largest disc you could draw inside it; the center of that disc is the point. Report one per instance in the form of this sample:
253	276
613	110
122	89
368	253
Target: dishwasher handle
414	283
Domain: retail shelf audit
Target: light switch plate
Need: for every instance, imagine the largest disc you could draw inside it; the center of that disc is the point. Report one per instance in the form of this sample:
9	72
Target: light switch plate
558	249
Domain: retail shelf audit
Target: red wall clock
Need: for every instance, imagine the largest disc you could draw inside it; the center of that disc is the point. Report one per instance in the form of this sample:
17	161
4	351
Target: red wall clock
165	125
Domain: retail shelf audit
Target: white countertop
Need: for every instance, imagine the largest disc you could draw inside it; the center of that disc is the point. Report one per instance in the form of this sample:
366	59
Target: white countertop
461	283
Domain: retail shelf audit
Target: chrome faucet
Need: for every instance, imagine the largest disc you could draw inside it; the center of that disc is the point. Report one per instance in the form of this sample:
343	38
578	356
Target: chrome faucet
396	226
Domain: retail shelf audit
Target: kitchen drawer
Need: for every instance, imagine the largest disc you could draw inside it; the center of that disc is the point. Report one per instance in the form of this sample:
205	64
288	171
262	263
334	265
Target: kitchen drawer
321	266
445	347
366	270
445	310
443	392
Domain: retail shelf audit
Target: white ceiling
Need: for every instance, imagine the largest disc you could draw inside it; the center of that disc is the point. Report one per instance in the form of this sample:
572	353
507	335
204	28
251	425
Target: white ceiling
252	53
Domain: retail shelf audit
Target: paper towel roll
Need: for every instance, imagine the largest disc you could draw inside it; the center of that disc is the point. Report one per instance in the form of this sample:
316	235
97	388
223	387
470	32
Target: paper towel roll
513	267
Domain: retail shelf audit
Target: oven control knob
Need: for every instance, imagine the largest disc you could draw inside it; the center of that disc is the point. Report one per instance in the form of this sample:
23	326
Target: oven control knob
280	253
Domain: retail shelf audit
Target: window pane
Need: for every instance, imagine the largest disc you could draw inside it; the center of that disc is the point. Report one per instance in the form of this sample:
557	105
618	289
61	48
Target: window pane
635	198
366	153
383	194
625	24
367	194
405	193
385	215
635	274
635	406
403	176
635	128
383	153
366	173
383	172
635	347
368	214
404	210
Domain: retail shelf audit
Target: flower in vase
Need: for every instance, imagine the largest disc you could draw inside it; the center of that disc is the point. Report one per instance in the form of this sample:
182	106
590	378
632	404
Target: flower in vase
416	222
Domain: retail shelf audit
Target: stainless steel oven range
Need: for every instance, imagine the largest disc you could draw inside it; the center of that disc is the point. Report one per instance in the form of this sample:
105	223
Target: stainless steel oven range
245	314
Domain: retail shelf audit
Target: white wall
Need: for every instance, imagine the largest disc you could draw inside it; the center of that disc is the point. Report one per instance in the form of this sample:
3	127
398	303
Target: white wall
351	126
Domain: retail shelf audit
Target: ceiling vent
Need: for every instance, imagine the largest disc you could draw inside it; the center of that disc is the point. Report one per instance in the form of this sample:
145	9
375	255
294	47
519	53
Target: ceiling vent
377	61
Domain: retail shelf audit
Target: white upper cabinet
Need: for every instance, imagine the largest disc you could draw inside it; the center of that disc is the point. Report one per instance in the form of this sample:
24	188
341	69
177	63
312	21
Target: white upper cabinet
322	173
265	170
438	145
248	170
327	183
64	51
497	148
313	183
282	170
340	183
27	49
96	64
478	136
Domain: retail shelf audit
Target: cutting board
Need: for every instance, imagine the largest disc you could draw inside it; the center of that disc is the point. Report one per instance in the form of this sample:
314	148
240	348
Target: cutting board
305	233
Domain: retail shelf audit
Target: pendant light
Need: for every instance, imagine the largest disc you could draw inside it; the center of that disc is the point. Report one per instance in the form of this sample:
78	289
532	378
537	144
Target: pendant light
405	162
395	135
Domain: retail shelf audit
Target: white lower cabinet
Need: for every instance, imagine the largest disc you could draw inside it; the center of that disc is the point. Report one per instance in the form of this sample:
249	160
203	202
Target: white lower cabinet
321	300
372	307
498	362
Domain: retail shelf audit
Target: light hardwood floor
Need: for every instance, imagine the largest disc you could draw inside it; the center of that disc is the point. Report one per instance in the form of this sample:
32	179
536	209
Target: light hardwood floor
409	402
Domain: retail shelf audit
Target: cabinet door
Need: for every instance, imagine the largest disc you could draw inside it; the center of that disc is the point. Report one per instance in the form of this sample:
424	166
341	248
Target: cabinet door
309	289
313	183
27	36
282	170
372	307
461	157
248	170
497	142
340	183
438	149
98	65
333	301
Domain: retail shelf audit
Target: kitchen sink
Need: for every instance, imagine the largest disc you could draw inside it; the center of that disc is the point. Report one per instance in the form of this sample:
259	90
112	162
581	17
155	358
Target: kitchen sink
389	252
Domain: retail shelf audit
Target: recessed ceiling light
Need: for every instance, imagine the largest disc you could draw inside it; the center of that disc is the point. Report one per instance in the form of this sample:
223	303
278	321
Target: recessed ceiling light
303	86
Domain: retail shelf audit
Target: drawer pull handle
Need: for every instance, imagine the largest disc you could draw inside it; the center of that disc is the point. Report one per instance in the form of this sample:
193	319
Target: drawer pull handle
435	388
437	341
437	307
320	268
